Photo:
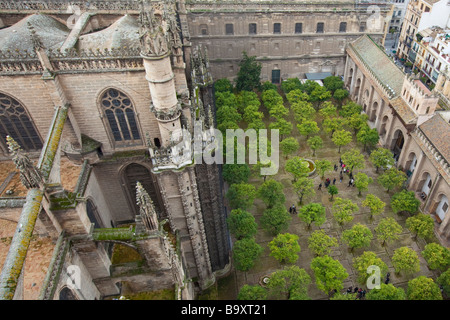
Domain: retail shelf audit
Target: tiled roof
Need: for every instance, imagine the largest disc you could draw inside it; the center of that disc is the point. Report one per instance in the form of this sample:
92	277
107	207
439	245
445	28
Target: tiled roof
437	130
403	110
376	60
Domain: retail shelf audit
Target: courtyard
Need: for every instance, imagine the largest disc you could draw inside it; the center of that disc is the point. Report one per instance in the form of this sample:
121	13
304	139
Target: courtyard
228	287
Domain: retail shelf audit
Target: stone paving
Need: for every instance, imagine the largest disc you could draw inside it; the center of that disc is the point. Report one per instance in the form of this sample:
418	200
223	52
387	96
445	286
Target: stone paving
267	264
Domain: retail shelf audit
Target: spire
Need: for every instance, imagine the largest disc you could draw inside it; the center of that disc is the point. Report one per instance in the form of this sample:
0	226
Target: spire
146	208
30	176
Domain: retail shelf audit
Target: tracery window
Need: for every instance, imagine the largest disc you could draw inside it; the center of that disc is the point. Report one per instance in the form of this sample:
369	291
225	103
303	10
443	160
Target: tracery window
15	122
119	112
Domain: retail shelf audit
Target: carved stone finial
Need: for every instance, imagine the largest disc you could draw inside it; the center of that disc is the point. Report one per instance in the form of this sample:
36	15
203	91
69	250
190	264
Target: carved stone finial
146	208
30	176
154	35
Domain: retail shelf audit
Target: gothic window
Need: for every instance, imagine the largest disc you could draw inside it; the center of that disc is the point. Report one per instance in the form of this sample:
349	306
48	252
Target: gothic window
120	116
15	122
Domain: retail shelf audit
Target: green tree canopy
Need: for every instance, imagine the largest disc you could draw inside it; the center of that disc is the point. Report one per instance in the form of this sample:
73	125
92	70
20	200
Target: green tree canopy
343	210
267	85
228	114
304	187
364	261
423	288
341	138
406	260
291	84
271	98
386	292
332	191
275	219
350	109
405	201
249	74
332	124
284	127
284	248
271	193
388	230
340	95
245	253
375	205
241	195
225	98
368	137
255	292
353	159
241	224
245	99
289	283
358	236
382	158
437	256
278	111
444	281
357	121
362	182
329	274
297	95
422	225
251	112
328	109
315	143
307	128
297	167
319	94
333	83
392	178
323	166
223	85
320	243
312	213
303	110
289	146
236	173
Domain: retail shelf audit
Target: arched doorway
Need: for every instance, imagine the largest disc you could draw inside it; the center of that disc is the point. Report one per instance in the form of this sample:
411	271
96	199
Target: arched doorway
357	87
440	206
410	164
135	172
397	145
67	294
424	186
350	78
383	125
373	112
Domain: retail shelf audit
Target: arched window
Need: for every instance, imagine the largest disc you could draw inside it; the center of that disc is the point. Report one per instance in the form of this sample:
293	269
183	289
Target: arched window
15	122
119	113
67	294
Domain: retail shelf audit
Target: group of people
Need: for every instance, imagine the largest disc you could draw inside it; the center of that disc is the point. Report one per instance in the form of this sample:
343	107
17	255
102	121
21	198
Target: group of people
341	176
292	209
360	292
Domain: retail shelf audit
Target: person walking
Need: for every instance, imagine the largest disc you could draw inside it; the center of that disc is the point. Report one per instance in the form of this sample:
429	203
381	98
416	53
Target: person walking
320	186
334	181
294	211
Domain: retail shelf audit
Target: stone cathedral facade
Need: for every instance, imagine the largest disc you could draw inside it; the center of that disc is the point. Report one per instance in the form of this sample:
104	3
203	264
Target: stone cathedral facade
96	94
